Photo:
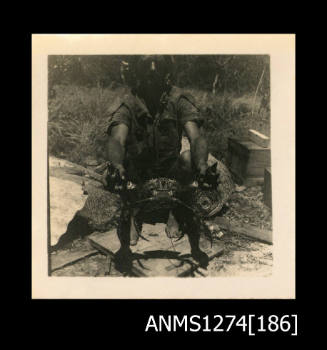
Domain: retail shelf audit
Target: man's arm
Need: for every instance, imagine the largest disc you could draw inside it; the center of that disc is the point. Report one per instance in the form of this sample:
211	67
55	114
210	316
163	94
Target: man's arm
116	147
199	146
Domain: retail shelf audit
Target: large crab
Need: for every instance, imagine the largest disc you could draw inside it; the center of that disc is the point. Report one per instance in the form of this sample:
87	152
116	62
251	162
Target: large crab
193	203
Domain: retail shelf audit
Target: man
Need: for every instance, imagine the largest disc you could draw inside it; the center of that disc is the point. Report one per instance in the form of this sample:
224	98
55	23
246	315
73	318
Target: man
144	141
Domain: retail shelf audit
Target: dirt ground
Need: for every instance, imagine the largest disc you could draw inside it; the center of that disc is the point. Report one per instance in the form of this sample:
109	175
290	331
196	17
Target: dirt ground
242	256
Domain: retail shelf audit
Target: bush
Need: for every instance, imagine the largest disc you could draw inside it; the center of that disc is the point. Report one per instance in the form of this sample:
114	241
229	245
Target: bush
227	115
77	122
78	117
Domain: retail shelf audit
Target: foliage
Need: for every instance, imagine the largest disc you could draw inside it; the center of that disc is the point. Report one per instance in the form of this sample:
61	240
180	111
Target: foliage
77	122
233	73
228	115
82	88
78	116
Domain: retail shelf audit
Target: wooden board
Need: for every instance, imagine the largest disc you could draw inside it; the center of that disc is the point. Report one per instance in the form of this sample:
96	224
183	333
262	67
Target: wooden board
267	188
247	160
253	181
64	258
159	256
247	230
259	139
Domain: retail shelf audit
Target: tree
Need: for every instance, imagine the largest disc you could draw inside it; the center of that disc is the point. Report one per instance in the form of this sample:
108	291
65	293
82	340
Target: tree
224	73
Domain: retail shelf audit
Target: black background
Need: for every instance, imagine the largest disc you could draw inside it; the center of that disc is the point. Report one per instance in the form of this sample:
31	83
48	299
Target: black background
100	320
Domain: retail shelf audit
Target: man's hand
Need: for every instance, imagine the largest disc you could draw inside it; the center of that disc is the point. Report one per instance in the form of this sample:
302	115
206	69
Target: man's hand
203	169
207	177
199	152
114	177
202	179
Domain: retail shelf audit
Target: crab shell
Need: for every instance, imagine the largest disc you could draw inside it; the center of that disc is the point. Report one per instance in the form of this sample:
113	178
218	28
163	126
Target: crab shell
162	191
214	200
205	202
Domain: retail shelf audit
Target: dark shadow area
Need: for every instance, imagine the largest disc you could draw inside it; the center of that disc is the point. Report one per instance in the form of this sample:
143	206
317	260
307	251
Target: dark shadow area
77	228
158	254
179	259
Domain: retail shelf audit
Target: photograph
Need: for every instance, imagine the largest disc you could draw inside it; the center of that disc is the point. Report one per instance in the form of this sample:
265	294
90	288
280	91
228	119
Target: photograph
160	166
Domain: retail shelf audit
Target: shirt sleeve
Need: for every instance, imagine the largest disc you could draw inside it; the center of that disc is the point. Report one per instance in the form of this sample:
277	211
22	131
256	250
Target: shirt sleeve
188	111
120	116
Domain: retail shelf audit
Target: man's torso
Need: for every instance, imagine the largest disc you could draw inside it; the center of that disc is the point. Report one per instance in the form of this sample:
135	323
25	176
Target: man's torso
154	142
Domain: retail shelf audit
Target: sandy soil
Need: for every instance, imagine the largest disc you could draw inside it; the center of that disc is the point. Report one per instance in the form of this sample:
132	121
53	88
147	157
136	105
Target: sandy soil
66	197
242	257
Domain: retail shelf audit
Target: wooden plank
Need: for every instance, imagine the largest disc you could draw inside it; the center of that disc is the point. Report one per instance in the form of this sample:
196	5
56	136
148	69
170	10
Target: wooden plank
249	180
159	256
256	171
267	188
253	181
258	159
259	139
64	258
245	147
103	249
237	160
247	160
247	230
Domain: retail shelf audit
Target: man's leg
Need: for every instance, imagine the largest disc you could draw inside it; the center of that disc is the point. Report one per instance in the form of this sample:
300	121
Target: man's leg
133	175
183	172
123	257
185	169
192	228
172	227
186	175
133	229
193	233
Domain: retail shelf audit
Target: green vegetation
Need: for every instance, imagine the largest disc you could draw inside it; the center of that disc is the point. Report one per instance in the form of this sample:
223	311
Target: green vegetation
228	115
82	89
77	122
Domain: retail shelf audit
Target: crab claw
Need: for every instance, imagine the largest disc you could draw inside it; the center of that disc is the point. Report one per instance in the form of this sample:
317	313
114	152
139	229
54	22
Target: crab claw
130	185
194	184
214	229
